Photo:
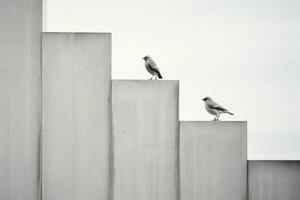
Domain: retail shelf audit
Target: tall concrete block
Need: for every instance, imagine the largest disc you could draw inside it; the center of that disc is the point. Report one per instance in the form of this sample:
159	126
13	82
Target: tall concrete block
274	180
20	101
213	160
76	116
145	131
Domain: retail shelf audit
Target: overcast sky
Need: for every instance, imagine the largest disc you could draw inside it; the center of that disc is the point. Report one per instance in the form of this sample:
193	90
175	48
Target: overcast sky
244	54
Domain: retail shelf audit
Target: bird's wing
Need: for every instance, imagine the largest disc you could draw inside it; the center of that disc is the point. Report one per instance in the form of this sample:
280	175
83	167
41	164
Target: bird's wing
215	105
153	65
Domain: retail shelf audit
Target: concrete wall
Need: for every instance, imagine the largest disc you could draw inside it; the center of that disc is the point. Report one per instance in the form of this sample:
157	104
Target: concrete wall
274	180
76	116
20	104
213	160
145	131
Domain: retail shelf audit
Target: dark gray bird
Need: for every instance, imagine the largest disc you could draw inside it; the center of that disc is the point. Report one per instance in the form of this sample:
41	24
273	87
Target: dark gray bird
214	108
152	67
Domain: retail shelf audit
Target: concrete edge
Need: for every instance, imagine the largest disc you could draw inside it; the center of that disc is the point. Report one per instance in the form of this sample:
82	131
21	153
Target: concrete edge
104	33
252	161
143	80
187	121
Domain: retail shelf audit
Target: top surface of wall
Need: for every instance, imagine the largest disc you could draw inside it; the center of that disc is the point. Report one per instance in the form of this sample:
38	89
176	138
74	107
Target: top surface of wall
213	160
274	180
76	116
145	131
20	102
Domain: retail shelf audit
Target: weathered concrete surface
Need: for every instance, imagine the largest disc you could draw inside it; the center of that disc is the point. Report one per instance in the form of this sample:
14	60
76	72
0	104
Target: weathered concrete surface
274	180
145	130
20	101
76	116
213	160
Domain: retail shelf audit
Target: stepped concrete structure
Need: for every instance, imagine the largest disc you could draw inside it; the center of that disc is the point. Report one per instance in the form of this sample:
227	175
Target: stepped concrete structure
146	140
213	160
20	102
274	180
69	132
76	116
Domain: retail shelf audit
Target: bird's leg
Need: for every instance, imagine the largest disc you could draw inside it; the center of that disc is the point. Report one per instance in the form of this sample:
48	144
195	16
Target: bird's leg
218	117
215	119
151	77
156	76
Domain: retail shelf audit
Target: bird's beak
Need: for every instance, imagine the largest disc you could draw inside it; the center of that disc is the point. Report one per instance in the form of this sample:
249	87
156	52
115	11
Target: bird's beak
203	99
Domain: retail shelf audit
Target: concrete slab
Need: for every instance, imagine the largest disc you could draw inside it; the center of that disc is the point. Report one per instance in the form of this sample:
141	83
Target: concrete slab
213	160
20	102
76	115
146	140
274	180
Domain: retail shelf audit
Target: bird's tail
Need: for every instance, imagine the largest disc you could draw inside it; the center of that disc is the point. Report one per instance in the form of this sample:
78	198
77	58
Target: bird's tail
159	76
230	113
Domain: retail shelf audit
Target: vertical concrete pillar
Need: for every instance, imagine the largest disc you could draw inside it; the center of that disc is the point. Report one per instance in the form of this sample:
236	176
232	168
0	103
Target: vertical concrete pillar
145	131
213	160
76	115
20	101
274	180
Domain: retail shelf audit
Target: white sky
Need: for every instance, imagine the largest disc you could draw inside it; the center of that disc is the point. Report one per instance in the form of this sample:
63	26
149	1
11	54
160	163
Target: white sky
244	54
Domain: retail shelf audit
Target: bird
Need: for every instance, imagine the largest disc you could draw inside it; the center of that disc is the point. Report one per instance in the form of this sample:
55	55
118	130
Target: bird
152	67
214	108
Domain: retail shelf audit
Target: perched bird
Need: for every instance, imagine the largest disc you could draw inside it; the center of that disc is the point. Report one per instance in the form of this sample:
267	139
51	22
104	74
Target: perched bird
152	67
214	108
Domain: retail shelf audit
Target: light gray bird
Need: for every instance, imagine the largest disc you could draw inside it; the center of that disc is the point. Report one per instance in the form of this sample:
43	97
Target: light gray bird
214	108
152	67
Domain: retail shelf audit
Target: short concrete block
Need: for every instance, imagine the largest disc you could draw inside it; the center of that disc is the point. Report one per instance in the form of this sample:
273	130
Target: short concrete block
213	160
146	140
274	180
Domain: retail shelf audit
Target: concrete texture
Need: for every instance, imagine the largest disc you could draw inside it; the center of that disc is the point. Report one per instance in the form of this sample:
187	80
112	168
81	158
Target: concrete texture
274	180
76	70
20	102
145	130
213	160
